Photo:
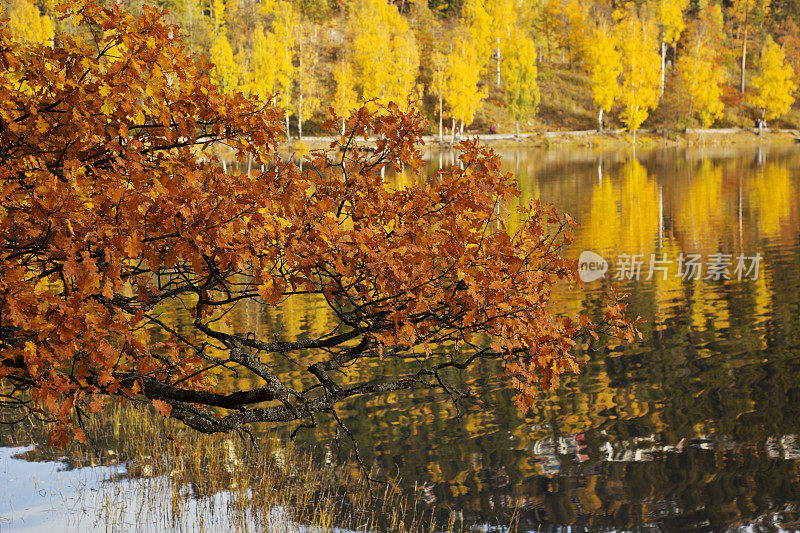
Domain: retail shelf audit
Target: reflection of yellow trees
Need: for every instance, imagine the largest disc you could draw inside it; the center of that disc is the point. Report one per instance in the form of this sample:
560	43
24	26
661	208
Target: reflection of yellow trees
762	299
584	402
403	179
528	185
587	398
772	197
639	209
709	308
669	289
605	224
762	294
623	217
587	495
699	215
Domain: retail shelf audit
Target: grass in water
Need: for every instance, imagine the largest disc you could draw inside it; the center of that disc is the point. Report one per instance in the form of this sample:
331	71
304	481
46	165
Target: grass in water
181	480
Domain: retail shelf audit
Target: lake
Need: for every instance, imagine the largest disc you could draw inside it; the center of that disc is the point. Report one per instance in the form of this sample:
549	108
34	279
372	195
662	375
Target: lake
694	427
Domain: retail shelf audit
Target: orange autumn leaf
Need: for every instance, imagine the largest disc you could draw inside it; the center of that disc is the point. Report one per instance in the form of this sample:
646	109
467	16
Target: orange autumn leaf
115	209
162	407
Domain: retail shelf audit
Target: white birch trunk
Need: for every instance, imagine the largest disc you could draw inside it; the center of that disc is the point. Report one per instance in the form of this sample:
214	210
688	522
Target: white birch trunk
440	118
663	59
498	61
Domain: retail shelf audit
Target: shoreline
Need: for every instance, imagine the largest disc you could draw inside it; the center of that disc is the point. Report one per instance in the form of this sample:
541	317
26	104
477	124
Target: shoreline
592	138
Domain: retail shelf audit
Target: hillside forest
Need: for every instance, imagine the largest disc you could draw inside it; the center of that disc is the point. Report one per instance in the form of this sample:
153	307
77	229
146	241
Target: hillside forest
481	66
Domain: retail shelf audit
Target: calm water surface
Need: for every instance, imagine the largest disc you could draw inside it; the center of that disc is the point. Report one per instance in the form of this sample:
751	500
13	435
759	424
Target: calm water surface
695	427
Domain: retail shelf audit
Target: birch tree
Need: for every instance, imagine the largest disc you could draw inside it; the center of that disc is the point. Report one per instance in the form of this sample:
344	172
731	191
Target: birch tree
308	89
604	63
640	74
439	83
273	68
345	99
28	24
475	18
744	14
226	72
504	15
519	68
775	86
464	93
700	66
671	21
383	51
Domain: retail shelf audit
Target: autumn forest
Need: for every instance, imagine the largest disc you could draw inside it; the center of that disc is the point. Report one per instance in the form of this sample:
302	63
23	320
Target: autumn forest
206	327
508	65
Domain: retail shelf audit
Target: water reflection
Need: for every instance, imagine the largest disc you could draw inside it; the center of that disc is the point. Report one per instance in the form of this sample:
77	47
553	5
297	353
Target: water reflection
693	428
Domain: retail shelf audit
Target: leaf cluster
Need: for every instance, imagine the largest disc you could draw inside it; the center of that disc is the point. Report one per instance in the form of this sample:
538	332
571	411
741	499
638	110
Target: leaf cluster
114	209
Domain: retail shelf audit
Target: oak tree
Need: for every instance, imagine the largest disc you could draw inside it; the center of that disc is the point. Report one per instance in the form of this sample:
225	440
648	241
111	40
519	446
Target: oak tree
114	209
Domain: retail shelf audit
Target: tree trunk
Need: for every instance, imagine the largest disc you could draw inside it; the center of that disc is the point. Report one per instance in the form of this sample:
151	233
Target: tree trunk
549	52
300	117
744	44
287	125
344	93
600	121
517	123
300	93
440	118
663	60
453	133
498	61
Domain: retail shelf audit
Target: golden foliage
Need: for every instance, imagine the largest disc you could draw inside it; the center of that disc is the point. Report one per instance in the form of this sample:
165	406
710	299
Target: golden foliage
640	68
113	207
775	85
383	52
604	63
464	93
700	66
519	73
28	24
